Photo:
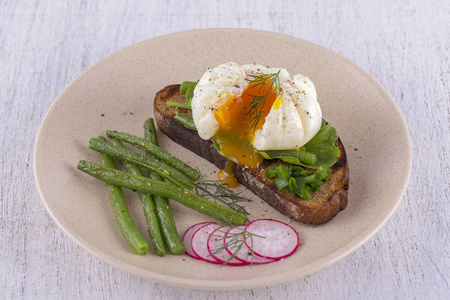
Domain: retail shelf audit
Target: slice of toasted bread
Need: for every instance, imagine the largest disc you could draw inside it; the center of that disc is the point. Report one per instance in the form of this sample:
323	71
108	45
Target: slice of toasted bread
323	205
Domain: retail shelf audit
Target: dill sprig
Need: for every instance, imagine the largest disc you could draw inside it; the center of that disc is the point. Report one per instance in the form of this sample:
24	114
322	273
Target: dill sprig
214	190
235	241
256	106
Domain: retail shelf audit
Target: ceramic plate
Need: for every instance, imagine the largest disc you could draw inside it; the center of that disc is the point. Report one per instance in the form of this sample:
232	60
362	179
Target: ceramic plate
117	93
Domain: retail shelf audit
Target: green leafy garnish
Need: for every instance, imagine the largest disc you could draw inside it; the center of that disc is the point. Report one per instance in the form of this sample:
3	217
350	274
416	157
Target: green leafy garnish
298	180
319	151
187	87
186	120
295	157
322	145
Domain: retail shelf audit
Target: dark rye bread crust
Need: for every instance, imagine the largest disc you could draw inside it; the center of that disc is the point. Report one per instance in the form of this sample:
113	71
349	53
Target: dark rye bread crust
324	204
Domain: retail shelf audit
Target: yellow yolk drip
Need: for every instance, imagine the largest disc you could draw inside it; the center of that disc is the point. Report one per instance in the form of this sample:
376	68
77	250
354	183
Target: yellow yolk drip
226	176
235	133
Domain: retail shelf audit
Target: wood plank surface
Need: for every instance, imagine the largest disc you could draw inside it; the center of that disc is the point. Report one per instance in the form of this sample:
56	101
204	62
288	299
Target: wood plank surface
405	45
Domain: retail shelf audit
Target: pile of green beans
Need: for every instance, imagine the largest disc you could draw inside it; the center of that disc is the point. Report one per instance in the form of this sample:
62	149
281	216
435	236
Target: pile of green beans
153	191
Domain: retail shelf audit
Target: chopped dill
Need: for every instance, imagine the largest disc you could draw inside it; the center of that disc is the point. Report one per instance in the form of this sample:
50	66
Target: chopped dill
256	106
214	190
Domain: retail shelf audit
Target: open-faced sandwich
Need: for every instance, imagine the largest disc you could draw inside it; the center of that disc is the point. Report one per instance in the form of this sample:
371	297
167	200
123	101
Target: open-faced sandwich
264	129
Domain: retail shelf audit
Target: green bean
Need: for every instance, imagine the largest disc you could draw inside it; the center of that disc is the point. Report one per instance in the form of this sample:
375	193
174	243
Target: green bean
149	208
127	226
150	132
165	171
168	227
156	151
164	189
186	120
163	211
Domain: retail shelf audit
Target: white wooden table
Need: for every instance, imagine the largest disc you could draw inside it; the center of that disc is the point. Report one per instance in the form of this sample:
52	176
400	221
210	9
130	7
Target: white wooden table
405	45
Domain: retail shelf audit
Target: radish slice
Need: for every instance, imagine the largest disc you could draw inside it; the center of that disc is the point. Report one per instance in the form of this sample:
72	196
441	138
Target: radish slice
244	254
187	237
281	240
199	242
216	248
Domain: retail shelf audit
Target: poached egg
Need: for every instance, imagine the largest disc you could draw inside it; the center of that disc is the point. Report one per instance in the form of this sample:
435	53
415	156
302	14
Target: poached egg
287	117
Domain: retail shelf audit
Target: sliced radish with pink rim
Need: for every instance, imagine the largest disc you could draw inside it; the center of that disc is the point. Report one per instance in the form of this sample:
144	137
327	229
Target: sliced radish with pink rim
260	242
244	254
199	243
281	240
187	237
217	249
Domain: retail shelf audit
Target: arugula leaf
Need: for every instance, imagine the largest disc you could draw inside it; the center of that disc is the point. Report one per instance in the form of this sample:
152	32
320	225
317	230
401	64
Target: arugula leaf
295	157
185	85
322	145
190	92
319	151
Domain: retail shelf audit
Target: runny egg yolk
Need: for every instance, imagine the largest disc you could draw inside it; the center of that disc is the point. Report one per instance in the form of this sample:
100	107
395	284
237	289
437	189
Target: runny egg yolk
236	130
